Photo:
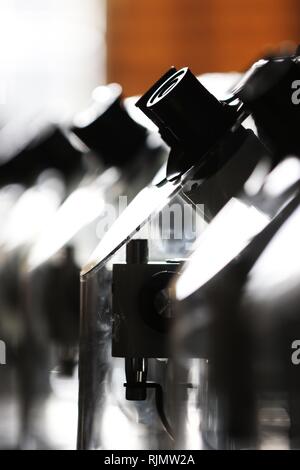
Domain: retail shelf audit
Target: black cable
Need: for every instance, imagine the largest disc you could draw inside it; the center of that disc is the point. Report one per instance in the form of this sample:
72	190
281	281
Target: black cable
159	400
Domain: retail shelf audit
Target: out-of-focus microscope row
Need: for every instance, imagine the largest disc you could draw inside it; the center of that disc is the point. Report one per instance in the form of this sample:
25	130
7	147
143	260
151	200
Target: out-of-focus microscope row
150	249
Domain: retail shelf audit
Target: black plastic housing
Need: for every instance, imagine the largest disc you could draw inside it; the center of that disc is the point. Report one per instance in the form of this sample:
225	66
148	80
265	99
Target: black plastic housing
51	149
190	119
139	328
267	93
113	135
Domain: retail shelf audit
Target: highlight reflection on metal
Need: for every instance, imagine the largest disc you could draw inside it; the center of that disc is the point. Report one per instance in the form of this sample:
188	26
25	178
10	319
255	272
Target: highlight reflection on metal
147	203
274	278
233	228
222	240
32	211
83	206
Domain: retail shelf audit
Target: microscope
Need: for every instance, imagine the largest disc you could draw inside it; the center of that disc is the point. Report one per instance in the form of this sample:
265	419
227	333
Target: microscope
235	305
212	157
104	149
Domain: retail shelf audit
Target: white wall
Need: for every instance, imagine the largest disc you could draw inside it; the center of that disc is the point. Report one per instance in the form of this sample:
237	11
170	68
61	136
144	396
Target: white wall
52	54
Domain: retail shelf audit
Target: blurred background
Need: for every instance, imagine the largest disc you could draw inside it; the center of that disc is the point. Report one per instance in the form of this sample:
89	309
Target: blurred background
146	37
53	53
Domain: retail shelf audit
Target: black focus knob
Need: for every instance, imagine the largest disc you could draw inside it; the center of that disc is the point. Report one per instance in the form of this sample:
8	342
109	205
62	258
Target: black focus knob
137	252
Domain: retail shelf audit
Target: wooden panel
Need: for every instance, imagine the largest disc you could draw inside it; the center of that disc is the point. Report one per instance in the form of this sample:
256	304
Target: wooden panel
145	37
